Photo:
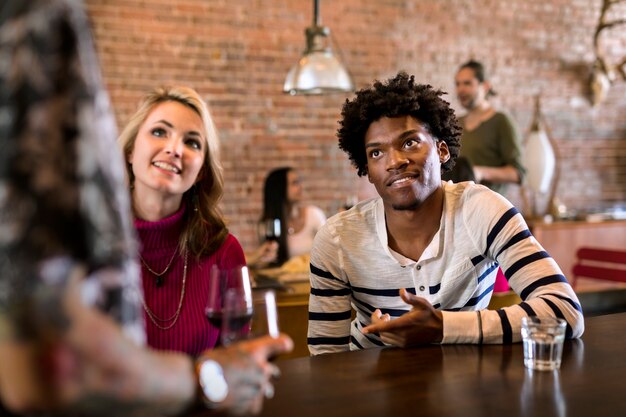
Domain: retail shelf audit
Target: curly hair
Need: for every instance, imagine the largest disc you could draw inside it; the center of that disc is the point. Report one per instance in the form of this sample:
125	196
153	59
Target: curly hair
398	96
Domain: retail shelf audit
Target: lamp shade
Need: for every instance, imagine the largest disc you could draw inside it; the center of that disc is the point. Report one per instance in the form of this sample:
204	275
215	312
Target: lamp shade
318	72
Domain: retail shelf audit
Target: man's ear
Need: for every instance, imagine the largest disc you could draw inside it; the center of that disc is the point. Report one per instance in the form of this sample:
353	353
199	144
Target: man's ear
487	87
367	172
444	151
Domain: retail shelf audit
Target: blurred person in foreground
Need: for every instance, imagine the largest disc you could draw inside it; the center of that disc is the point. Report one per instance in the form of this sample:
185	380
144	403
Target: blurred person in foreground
418	264
71	331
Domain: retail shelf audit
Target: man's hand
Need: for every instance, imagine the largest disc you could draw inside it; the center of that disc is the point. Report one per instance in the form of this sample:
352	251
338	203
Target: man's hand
248	371
422	325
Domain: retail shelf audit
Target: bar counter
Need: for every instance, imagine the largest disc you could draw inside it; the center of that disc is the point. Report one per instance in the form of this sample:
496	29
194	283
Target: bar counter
459	380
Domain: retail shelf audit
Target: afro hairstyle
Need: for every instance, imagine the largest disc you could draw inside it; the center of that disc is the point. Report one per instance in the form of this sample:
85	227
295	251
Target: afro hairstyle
398	96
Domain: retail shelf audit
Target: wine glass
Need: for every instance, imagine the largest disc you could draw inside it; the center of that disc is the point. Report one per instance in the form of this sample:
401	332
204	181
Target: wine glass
236	310
240	322
270	230
233	282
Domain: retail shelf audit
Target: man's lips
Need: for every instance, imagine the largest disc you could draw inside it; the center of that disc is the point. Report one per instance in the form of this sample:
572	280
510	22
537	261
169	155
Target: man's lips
402	180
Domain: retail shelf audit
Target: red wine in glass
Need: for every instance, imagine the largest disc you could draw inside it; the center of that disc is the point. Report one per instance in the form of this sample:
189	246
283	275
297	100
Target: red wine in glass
272	229
223	282
215	317
236	320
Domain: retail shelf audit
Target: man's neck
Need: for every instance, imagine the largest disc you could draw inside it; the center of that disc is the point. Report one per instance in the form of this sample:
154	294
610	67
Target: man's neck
478	114
410	231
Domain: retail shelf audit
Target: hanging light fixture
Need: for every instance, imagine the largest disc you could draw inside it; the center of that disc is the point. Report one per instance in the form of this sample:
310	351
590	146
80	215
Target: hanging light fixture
318	71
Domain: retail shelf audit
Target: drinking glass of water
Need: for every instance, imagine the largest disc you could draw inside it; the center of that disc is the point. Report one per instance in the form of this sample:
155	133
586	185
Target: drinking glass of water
543	342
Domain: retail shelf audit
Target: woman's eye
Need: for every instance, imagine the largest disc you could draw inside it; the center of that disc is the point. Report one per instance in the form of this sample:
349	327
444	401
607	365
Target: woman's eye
194	143
158	132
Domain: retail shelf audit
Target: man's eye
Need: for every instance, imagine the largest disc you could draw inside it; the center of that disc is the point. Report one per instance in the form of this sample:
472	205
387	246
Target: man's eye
375	154
410	143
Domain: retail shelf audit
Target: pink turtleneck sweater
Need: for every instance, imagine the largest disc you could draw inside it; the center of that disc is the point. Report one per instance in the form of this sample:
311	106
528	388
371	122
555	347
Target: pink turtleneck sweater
192	332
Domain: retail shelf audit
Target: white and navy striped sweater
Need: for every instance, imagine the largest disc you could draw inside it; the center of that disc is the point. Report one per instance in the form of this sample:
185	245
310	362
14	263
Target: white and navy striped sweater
352	267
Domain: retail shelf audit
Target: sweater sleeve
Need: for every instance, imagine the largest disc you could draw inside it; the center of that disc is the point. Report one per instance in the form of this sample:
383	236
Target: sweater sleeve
329	302
230	254
530	270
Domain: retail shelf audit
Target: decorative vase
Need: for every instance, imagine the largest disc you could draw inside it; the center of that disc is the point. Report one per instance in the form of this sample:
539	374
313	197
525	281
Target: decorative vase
540	160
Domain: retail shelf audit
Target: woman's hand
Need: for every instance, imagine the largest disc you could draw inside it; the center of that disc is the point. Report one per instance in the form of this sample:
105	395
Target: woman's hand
263	255
249	372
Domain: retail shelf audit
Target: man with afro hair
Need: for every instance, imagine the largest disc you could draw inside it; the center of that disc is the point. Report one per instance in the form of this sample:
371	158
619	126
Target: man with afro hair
417	264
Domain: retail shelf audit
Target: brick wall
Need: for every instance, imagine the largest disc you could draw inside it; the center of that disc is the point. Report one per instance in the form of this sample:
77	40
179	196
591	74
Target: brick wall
236	54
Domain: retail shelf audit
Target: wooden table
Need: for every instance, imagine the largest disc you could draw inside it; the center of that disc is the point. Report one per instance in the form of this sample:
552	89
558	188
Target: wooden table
460	380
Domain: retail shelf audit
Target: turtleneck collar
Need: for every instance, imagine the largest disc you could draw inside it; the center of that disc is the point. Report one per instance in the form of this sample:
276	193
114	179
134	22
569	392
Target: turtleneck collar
167	229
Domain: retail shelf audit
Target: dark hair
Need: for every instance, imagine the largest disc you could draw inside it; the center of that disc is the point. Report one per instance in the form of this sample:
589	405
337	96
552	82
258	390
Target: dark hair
275	206
479	73
462	171
398	96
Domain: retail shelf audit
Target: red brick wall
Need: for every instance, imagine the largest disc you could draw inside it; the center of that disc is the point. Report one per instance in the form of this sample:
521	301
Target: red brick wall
236	53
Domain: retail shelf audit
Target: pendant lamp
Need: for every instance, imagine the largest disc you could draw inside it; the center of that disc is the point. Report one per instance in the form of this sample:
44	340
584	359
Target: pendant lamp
318	71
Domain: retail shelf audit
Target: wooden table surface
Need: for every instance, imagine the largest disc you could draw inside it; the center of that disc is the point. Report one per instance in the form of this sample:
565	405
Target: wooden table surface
460	380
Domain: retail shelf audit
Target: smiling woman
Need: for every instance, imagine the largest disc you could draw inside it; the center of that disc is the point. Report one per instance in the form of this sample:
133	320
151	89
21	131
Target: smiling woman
171	150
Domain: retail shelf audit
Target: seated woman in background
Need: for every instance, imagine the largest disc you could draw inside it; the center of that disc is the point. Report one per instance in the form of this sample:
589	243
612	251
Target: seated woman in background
282	200
171	151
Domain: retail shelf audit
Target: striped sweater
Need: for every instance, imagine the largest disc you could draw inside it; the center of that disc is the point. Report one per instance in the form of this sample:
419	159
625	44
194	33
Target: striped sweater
352	268
192	332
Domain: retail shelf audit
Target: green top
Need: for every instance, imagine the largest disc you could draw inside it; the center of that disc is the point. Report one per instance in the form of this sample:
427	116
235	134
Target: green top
494	143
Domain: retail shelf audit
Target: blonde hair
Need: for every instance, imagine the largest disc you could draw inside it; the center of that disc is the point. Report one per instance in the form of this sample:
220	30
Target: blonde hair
204	229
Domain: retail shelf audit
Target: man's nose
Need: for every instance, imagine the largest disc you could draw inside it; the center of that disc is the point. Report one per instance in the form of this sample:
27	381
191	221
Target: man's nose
397	159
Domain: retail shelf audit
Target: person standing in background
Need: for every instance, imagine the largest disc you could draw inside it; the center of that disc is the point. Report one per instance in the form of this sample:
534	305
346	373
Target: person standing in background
490	140
491	149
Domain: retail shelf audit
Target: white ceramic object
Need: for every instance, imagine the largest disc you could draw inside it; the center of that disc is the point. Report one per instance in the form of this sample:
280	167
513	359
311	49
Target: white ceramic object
540	161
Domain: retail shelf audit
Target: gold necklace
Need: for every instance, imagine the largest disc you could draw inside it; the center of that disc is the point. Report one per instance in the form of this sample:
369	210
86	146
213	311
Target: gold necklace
159	275
154	318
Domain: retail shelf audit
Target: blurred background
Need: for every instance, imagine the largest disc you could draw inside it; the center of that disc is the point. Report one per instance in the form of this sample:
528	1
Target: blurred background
237	54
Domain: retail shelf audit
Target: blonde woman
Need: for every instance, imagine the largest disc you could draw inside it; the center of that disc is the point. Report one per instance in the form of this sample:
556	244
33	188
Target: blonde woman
171	150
